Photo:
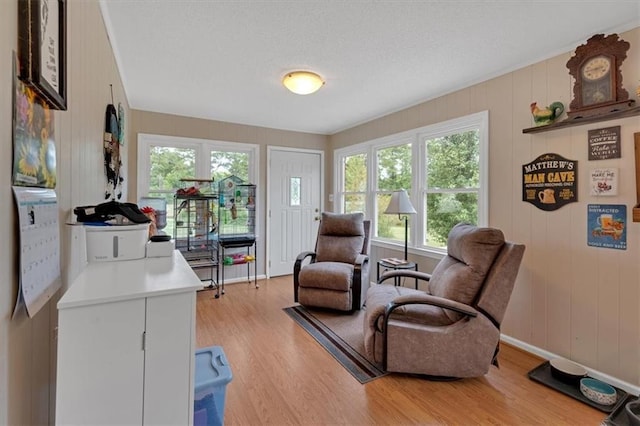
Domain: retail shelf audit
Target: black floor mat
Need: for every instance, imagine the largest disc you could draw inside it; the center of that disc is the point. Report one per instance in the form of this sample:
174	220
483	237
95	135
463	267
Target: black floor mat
542	374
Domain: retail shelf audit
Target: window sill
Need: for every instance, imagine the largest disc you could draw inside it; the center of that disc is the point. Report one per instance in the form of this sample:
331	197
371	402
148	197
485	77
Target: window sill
422	252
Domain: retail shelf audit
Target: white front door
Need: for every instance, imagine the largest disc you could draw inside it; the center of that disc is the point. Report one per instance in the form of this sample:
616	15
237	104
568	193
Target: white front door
295	203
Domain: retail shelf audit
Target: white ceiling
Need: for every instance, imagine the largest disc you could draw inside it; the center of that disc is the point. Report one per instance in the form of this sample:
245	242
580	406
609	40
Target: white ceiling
224	60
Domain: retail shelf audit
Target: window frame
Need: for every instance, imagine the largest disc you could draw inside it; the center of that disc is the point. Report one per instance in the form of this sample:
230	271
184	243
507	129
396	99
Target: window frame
477	121
203	149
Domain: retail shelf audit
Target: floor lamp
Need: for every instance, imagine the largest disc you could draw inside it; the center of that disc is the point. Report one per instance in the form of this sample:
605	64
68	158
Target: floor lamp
400	204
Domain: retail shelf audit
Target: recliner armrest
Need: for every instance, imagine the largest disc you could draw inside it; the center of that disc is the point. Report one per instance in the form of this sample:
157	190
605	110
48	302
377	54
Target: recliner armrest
302	256
360	279
404	273
296	270
361	260
428	299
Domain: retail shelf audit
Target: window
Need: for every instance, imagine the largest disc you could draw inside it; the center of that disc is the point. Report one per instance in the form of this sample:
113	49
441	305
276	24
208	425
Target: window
451	184
227	163
393	173
168	165
294	191
164	160
443	167
354	171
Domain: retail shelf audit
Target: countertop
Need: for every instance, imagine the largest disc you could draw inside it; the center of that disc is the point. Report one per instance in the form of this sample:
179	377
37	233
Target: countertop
102	282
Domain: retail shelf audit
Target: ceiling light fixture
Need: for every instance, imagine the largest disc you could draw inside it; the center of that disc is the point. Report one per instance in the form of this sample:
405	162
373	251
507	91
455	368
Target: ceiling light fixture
302	82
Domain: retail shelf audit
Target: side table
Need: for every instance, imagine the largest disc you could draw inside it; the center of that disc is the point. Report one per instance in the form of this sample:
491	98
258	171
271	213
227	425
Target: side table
393	266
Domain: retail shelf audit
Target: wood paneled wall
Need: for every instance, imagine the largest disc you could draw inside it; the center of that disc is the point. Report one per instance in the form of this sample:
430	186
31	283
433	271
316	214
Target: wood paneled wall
576	301
570	299
28	346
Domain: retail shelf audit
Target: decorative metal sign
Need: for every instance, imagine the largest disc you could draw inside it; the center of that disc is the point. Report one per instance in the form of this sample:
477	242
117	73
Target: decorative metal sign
604	143
607	226
550	181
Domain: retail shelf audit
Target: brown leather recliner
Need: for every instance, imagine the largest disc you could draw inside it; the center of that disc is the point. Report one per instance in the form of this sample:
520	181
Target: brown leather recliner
337	275
452	330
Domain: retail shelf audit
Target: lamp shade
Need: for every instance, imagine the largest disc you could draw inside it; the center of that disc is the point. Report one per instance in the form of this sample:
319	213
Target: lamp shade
302	82
400	203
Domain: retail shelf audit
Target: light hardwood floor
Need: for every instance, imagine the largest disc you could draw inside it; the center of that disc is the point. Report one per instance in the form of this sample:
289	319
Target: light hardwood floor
281	376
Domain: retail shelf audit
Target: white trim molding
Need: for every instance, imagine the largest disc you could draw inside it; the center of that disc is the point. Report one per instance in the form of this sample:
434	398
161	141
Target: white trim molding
628	387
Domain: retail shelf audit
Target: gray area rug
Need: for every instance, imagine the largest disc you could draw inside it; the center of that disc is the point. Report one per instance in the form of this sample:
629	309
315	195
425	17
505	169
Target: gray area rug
341	335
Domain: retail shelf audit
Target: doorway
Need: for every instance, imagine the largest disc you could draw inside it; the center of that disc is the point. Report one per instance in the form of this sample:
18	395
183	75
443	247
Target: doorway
295	194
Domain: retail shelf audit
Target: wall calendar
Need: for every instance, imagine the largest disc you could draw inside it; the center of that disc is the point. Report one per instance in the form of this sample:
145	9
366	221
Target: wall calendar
39	275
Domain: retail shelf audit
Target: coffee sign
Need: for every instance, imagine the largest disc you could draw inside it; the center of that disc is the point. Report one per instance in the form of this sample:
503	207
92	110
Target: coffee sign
604	143
550	181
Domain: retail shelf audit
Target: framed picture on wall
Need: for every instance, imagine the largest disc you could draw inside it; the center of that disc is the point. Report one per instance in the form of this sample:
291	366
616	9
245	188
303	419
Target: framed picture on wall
604	181
42	49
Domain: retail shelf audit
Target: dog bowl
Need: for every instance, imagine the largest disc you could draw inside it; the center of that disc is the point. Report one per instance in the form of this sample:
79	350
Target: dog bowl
633	412
567	371
598	391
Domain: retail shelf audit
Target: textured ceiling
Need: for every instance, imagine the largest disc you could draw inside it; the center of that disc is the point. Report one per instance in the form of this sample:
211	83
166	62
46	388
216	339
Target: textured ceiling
224	60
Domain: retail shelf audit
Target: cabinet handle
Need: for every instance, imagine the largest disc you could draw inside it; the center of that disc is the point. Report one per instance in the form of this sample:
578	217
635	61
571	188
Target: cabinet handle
144	340
115	246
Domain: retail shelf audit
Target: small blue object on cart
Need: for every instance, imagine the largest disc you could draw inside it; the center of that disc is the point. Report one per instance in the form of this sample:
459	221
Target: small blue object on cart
213	373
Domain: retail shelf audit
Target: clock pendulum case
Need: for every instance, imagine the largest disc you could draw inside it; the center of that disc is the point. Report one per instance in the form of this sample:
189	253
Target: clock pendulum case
595	66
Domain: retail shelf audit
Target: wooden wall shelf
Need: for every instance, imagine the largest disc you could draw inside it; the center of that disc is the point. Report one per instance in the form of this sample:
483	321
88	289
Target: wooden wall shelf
630	112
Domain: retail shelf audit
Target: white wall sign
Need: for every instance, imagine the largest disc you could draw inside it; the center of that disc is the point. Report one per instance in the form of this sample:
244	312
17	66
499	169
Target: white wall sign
604	181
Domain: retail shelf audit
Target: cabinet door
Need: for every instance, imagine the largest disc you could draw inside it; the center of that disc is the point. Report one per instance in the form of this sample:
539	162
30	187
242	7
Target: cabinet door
169	359
101	364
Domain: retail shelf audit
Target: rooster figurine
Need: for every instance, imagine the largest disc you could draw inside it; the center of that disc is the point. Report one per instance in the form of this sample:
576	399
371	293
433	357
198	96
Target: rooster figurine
544	116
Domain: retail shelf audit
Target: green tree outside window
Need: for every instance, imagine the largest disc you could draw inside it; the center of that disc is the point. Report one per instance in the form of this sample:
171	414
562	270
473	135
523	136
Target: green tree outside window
453	184
355	183
393	173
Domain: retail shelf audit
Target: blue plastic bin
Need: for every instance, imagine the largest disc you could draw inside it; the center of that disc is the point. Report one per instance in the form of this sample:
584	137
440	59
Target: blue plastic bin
212	376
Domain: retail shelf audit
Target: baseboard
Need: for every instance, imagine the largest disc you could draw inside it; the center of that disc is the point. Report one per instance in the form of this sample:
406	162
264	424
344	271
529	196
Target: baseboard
628	387
242	280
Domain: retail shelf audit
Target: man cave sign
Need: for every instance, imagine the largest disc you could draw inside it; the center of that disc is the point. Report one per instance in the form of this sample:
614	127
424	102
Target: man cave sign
550	181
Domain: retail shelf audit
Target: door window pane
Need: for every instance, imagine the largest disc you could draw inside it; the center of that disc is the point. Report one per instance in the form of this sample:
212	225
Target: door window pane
294	191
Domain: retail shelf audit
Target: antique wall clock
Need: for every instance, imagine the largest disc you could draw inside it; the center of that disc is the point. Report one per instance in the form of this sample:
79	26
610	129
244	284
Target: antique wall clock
598	79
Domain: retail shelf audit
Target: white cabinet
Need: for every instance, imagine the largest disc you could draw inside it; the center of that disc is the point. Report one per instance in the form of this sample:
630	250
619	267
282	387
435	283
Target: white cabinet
126	344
